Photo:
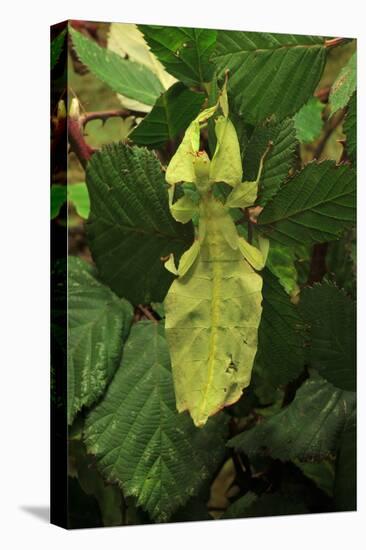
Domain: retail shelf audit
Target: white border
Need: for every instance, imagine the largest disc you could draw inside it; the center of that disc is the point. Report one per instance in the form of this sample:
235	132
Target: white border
24	362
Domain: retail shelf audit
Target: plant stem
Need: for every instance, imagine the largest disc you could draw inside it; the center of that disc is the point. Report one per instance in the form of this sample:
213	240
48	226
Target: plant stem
77	141
105	115
331	125
147	313
332	42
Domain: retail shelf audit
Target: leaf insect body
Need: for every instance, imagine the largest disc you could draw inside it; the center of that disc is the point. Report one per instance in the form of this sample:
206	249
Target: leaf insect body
213	307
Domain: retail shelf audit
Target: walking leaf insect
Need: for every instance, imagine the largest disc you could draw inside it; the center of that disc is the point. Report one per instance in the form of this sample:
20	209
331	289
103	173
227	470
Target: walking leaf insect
213	307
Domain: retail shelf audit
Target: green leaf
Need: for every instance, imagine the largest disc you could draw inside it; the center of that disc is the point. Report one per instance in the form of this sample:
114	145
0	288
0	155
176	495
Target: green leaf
58	198
83	510
238	508
57	45
316	205
308	429
121	75
332	334
281	340
281	262
269	73
350	128
344	86
130	227
99	322
341	263
308	121
244	131
275	504
139	439
171	114
109	497
78	194
321	473
126	40
279	160
194	510
184	52
345	487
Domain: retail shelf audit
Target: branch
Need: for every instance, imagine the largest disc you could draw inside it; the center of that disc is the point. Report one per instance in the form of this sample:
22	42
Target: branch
76	123
147	313
331	125
77	141
104	115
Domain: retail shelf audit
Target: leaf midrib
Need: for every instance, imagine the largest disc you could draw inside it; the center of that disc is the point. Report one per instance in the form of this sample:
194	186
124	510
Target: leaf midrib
272	49
297	212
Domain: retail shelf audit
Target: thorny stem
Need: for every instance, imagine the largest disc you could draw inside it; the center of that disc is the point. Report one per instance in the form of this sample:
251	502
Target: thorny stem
76	127
105	115
77	141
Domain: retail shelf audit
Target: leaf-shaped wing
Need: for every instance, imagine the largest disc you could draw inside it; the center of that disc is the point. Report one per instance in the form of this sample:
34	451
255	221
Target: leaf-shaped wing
226	162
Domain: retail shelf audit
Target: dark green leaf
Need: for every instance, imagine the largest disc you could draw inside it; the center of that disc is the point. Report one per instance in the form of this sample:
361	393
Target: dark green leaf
195	509
280	339
83	510
99	322
184	52
350	128
308	429
244	131
109	497
238	508
308	121
332	333
130	227
275	504
158	308
57	45
345	488
269	73
123	76
171	114
279	160
58	198
316	205
321	473
344	86
341	262
139	439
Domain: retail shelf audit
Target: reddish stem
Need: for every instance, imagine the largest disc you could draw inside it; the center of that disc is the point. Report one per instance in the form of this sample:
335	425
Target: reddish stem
104	115
77	141
332	42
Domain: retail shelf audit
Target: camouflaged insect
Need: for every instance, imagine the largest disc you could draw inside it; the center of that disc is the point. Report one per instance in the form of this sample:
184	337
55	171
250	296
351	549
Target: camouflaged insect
213	308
